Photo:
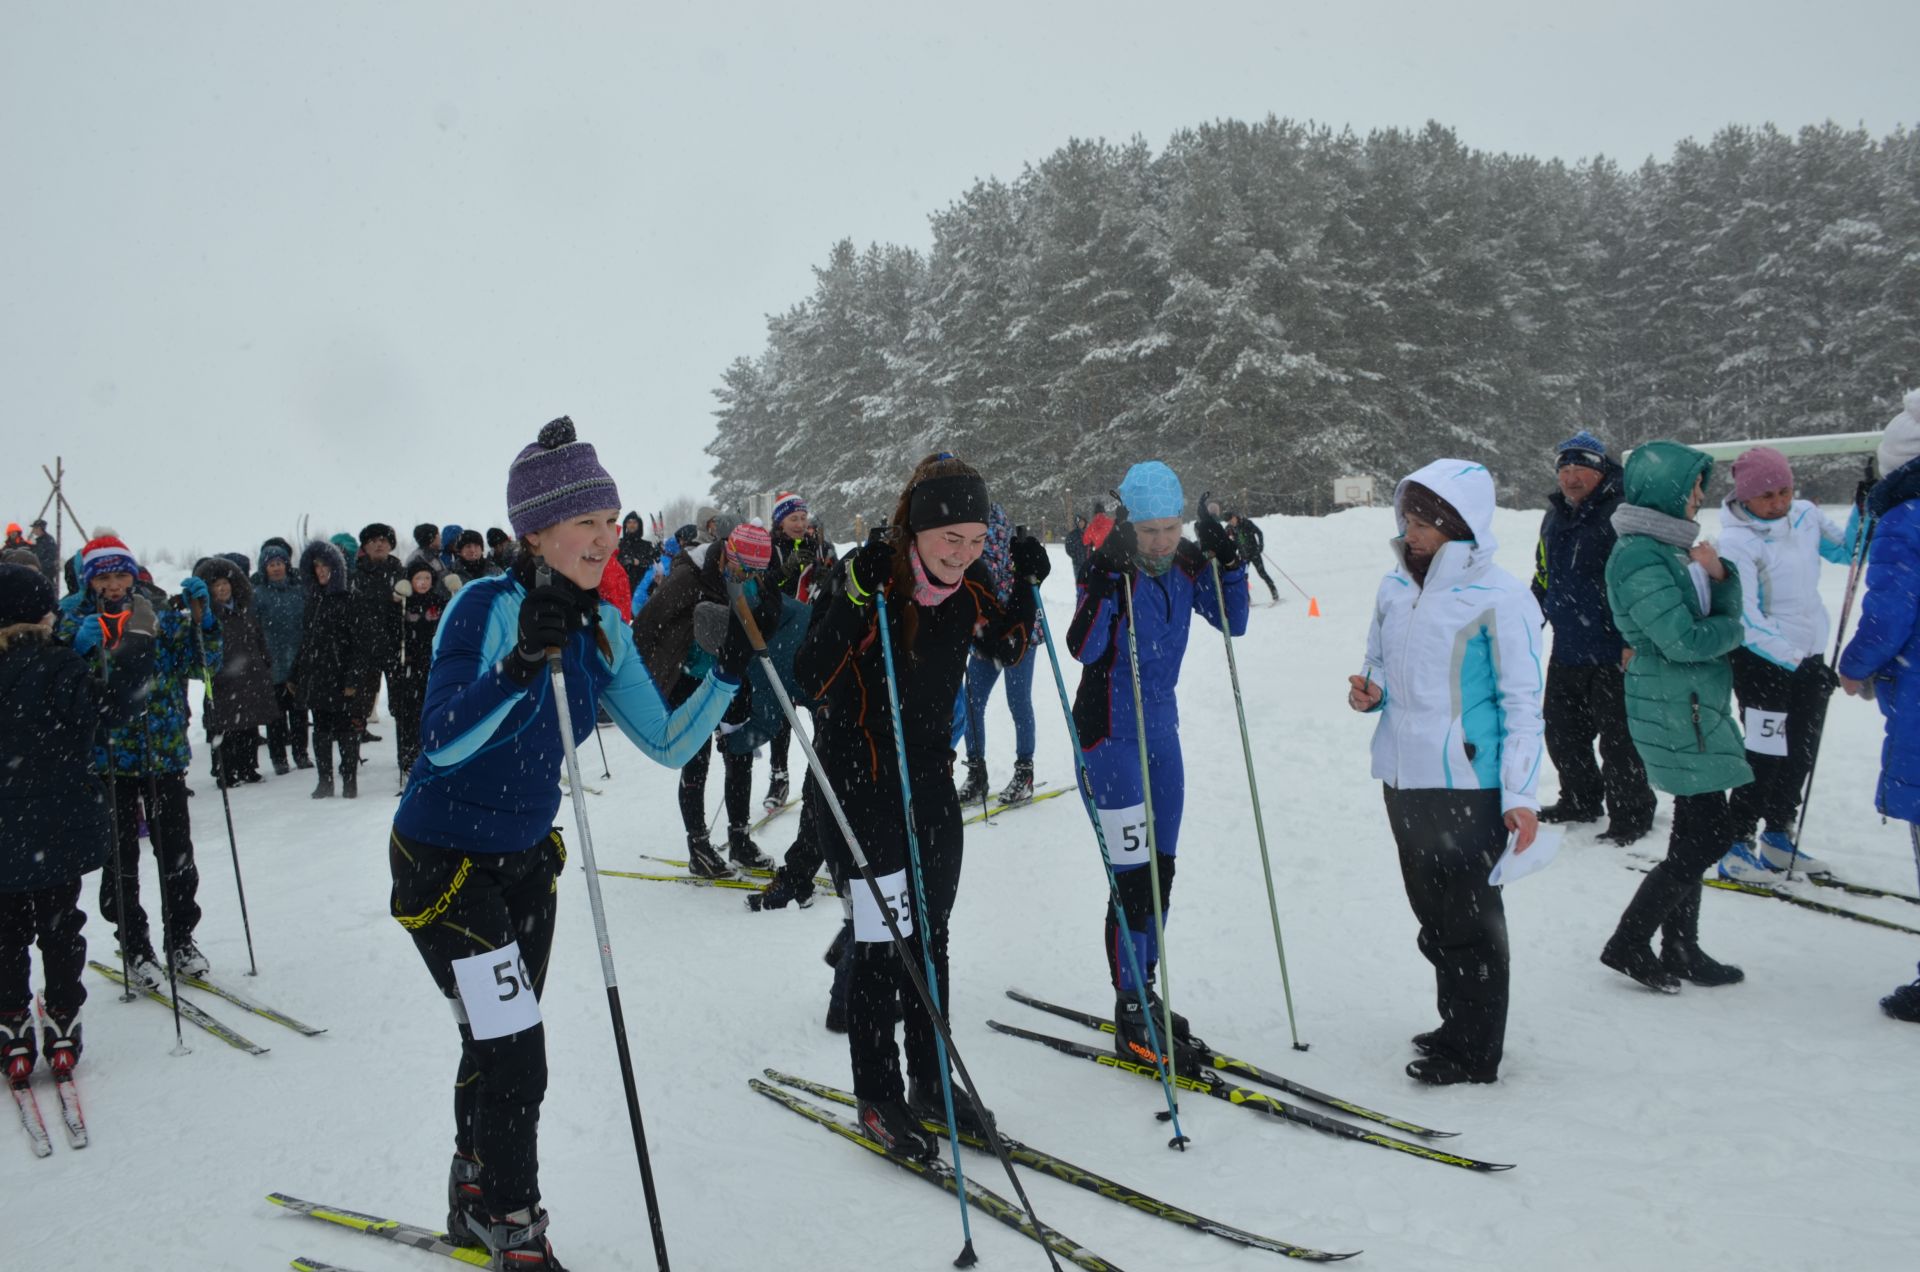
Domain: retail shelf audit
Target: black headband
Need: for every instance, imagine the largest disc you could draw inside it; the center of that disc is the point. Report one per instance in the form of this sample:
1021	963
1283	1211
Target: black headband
947	501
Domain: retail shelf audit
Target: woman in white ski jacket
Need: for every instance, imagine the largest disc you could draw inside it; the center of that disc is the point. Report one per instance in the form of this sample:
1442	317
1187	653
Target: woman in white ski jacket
1454	669
1780	673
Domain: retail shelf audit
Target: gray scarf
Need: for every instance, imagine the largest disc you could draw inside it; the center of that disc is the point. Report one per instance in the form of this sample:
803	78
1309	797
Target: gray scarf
1633	519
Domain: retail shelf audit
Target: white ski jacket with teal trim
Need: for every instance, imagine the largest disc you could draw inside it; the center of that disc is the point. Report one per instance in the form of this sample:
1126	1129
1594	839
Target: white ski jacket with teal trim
1459	659
1779	564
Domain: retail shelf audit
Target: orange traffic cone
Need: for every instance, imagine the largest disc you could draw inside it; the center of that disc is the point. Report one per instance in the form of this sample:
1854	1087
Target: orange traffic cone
1313	607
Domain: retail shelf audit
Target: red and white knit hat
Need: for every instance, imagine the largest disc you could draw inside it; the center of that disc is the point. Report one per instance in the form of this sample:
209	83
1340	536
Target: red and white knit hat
751	546
106	555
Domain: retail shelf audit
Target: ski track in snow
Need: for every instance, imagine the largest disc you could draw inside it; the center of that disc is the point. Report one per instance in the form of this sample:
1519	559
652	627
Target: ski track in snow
1771	1124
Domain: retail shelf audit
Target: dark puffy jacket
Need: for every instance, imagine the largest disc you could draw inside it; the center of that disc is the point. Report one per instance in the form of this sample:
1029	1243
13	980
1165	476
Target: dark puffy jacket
663	629
47	552
1886	646
636	554
330	660
419	621
376	615
243	687
54	820
1570	575
282	610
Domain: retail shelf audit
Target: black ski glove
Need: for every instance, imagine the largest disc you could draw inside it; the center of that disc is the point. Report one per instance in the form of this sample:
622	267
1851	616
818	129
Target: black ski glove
550	614
870	566
1116	552
1215	539
1030	559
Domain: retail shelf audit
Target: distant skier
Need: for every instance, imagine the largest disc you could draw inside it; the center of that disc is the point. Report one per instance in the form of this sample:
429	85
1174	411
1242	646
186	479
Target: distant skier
982	673
1253	546
1170	580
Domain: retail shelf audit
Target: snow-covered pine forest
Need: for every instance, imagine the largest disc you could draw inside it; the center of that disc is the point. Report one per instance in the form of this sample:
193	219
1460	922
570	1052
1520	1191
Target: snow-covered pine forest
1271	305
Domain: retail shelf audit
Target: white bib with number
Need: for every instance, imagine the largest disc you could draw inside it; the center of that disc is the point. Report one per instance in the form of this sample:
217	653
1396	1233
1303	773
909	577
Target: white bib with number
1125	830
497	992
868	923
1766	732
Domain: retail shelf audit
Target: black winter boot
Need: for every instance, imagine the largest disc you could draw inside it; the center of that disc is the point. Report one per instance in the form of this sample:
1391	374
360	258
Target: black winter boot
974	789
1630	949
1562	811
1680	952
349	781
323	789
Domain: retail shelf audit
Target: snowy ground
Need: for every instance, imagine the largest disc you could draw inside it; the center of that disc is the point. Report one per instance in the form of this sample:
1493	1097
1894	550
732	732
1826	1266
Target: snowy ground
1772	1124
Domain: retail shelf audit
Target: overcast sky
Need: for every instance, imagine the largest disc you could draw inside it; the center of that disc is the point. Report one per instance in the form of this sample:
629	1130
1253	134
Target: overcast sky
260	259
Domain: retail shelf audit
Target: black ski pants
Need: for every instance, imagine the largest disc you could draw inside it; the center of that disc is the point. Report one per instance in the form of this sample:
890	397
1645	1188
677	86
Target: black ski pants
1778	780
455	906
738	788
878	986
52	917
1583	703
288	726
1260	568
339	725
170	829
1448	842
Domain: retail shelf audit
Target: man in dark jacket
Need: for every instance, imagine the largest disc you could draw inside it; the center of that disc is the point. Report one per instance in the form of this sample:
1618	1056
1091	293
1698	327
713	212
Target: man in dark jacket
281	604
1586	673
376	615
46	549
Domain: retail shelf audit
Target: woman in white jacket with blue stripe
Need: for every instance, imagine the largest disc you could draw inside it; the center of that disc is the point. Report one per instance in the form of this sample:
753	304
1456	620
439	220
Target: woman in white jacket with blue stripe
1455	670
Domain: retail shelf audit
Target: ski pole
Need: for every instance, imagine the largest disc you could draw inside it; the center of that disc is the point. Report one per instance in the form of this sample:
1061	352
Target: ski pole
967	1256
865	868
226	804
606	772
1253	788
1084	780
1913	833
1854	573
556	679
119	850
180	1047
1146	795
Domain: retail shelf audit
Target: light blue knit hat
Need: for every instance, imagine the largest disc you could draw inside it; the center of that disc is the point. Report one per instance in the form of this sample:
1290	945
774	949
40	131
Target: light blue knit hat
1151	491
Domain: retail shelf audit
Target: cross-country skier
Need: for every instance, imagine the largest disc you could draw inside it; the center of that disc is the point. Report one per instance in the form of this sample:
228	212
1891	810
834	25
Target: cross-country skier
474	852
940	606
983	673
1170	579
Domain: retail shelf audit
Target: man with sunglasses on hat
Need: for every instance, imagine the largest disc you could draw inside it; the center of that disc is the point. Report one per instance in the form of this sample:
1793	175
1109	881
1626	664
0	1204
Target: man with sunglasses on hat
1586	672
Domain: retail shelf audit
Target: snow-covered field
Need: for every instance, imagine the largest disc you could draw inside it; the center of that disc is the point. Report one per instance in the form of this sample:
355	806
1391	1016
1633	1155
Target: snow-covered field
1769	1125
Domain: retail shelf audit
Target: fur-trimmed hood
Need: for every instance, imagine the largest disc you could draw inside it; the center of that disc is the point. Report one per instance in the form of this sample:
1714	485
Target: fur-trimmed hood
317	551
219	567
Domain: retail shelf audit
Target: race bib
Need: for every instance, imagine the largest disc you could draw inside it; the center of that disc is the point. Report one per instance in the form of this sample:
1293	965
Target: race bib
1125	830
869	924
497	992
1766	732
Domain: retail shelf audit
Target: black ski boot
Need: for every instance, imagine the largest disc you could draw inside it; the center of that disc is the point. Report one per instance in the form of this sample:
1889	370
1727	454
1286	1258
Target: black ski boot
466	1209
1020	788
703	862
776	791
893	1126
974	789
1182	1031
60	1040
782	892
930	1105
518	1240
19	1046
1680	952
744	852
1132	1040
1903	1003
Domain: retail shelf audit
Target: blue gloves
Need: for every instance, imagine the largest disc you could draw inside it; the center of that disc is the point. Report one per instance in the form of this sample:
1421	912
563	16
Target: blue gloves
87	636
196	594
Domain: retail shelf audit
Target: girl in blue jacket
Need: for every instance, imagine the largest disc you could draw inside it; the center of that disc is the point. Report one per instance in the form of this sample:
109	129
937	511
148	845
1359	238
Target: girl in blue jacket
474	852
1171	581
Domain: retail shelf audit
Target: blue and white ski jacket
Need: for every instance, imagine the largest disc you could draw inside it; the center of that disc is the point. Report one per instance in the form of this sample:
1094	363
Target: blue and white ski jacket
1779	564
1459	659
488	776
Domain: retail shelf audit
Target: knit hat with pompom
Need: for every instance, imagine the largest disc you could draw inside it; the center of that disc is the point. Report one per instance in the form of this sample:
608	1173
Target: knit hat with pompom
556	478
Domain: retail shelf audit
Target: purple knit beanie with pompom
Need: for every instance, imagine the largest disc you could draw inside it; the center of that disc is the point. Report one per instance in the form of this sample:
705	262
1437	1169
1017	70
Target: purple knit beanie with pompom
556	478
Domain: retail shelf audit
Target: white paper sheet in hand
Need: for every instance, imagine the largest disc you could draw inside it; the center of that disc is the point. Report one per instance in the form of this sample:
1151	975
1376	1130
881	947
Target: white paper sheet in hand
1538	856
